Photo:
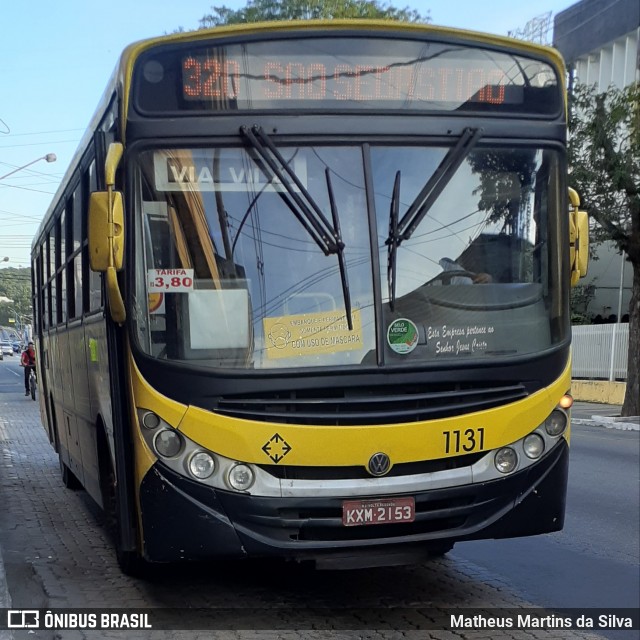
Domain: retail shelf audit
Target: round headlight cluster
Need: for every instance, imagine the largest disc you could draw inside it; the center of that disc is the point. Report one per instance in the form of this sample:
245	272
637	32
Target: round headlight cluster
168	443
202	465
556	423
191	460
150	420
533	445
506	460
240	477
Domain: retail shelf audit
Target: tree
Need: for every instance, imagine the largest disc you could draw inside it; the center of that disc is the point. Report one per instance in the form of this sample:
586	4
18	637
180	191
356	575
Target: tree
604	164
268	10
581	297
15	285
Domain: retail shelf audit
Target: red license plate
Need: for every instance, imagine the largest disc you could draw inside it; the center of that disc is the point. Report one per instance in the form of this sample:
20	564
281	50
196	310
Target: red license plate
357	513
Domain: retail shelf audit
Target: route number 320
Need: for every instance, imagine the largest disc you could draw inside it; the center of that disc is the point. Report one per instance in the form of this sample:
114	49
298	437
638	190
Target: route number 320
463	441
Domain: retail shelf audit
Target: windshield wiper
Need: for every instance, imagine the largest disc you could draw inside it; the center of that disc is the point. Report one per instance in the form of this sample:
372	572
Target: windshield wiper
340	250
325	234
418	209
393	241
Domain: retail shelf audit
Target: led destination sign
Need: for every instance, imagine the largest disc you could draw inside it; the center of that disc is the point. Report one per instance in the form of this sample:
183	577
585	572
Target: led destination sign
204	78
340	73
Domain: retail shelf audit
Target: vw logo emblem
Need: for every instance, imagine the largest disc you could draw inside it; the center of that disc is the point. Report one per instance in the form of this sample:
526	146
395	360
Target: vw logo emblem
379	464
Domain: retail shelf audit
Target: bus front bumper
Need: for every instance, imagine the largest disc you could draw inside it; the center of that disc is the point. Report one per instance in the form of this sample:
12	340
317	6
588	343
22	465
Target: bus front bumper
185	520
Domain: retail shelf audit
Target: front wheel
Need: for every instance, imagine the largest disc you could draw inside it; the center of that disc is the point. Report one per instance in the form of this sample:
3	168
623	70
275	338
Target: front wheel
131	563
32	386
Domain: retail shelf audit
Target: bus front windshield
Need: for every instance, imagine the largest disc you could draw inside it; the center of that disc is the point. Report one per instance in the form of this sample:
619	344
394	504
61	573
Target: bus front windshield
324	256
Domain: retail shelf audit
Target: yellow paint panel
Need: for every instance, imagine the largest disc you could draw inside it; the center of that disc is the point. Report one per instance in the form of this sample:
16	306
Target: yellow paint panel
256	442
309	445
145	397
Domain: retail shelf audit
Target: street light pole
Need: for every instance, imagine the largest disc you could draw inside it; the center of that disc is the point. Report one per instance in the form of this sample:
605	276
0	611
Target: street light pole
50	157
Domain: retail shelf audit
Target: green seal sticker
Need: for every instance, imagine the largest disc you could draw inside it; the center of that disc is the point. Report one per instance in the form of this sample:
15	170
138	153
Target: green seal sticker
402	335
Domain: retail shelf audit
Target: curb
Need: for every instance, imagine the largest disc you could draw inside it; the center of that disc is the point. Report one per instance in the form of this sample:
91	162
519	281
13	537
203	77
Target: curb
5	599
610	422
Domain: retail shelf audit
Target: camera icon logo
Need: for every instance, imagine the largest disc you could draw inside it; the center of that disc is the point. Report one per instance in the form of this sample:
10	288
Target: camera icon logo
23	619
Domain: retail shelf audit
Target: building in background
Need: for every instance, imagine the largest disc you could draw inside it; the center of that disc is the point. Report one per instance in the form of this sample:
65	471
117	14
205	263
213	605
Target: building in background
599	40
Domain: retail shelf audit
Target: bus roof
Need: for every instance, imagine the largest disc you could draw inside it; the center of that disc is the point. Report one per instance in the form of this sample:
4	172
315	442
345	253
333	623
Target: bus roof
120	81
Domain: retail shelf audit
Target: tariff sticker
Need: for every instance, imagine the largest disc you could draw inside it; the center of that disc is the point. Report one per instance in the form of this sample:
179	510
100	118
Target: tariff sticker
169	280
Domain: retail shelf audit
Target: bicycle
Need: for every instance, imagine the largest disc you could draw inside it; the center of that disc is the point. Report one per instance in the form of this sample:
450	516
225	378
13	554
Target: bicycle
32	383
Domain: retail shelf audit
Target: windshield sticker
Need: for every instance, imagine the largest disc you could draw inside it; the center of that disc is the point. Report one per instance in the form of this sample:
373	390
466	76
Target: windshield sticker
311	334
402	336
458	340
201	170
169	280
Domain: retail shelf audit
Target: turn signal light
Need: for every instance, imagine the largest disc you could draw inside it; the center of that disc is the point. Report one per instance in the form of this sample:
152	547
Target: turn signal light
566	402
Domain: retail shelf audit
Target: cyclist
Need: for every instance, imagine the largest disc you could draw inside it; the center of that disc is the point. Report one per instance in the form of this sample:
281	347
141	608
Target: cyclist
28	361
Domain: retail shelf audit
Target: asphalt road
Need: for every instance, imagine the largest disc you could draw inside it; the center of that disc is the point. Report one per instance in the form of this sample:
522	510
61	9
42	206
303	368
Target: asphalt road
594	561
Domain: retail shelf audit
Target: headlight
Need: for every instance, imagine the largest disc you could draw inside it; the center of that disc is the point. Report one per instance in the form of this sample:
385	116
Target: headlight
556	423
533	445
240	477
202	465
150	420
506	460
168	443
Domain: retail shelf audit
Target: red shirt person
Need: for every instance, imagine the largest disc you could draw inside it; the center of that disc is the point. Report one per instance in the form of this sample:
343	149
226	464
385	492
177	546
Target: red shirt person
28	361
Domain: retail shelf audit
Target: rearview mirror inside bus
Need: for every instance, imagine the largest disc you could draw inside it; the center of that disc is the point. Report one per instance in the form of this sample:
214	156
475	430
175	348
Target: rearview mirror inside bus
101	255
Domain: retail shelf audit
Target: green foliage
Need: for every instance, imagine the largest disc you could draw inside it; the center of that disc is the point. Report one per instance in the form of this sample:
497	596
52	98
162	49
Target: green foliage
604	161
581	297
15	284
269	10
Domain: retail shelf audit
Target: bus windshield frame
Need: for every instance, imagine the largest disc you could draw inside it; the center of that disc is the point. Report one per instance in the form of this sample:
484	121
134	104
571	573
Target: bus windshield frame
475	281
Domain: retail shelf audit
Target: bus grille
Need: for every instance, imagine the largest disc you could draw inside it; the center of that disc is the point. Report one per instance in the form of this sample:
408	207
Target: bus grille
369	405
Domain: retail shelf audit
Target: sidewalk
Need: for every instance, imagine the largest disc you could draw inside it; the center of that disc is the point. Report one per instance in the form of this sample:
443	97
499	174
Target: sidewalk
603	415
5	600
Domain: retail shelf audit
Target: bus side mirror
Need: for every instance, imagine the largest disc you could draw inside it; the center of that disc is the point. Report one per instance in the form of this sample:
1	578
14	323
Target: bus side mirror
102	252
106	233
578	238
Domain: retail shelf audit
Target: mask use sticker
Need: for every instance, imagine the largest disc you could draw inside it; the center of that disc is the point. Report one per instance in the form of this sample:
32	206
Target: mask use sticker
402	336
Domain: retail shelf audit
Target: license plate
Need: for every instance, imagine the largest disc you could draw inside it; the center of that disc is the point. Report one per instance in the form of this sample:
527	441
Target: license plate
357	513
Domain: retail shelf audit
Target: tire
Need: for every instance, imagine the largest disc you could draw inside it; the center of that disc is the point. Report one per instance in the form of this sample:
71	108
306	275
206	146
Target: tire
32	387
131	563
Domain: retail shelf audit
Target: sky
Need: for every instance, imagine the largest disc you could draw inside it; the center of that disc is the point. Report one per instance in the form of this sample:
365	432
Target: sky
56	59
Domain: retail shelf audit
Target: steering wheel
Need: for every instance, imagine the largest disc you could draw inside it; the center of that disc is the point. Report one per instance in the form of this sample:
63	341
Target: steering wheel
446	276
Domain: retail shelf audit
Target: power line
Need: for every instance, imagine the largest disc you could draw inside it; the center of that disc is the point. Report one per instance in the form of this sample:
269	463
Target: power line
39	144
15	186
40	133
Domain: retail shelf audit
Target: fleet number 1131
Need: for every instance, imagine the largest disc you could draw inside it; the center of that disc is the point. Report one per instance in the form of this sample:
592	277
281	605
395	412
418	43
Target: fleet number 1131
468	440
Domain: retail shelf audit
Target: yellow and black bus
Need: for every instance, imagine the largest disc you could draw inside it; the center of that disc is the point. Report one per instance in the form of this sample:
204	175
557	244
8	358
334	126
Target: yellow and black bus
304	293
